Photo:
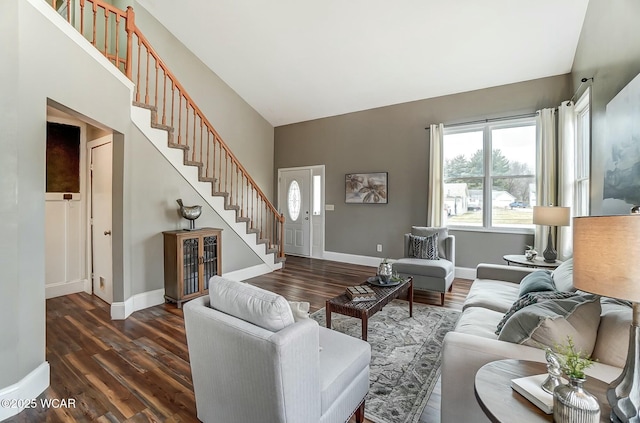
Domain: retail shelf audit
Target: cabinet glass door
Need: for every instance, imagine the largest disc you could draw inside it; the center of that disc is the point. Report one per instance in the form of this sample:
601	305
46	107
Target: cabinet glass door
190	266
210	258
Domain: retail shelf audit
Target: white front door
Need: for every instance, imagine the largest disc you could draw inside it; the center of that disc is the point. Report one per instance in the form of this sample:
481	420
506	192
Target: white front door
295	203
101	170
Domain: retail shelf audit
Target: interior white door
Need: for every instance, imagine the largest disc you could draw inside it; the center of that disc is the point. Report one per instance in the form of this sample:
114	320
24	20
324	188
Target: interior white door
295	203
101	159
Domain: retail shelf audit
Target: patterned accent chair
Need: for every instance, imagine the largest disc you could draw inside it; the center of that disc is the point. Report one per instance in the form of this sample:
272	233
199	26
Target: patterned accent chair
435	273
252	362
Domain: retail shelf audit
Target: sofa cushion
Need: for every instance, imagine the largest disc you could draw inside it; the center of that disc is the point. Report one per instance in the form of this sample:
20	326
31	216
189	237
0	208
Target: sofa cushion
423	267
563	276
342	358
527	300
613	333
479	321
538	281
255	305
424	247
491	294
548	323
443	234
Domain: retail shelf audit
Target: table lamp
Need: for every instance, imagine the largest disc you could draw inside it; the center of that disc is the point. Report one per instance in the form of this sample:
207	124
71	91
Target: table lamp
606	261
551	216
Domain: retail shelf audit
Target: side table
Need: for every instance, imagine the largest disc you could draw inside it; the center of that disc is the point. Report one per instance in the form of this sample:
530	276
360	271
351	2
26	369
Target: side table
502	404
537	262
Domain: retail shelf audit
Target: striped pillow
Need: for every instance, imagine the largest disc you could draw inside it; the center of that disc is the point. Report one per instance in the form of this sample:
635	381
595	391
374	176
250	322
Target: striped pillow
424	247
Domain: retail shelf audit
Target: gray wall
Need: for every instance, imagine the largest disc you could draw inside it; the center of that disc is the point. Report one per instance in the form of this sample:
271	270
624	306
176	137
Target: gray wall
46	65
609	50
393	139
245	131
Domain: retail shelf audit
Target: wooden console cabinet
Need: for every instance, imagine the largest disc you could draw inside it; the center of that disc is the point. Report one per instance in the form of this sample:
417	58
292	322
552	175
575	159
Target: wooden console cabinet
191	258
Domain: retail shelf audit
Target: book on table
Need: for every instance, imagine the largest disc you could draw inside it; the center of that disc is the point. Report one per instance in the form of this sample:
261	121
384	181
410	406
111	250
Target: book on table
360	293
530	387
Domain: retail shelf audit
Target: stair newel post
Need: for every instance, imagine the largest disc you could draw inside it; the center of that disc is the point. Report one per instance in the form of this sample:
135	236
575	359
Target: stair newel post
281	240
130	28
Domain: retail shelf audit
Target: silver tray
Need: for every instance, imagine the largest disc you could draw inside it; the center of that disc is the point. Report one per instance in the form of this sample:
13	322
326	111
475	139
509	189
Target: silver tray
375	281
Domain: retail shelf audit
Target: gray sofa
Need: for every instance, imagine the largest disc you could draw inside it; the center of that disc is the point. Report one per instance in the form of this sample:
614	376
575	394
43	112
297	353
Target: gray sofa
474	343
253	360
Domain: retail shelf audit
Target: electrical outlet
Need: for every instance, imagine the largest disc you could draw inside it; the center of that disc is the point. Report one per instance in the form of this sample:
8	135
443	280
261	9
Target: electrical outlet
379	248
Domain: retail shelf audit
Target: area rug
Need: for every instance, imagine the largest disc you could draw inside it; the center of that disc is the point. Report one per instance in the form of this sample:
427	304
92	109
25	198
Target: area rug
405	356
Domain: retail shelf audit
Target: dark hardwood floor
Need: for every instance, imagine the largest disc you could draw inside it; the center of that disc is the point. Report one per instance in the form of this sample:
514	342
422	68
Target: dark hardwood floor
137	370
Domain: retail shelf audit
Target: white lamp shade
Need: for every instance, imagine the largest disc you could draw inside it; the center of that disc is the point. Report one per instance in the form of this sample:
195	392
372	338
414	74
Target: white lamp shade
551	216
606	256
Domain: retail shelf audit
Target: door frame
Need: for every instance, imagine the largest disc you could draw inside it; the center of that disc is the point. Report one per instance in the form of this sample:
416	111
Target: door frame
54	116
105	139
317	229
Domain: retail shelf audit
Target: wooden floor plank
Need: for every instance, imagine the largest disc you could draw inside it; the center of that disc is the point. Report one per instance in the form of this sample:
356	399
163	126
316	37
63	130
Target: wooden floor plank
137	370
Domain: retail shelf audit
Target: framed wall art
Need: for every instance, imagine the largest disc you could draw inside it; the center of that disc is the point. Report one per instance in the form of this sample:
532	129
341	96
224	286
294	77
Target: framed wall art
366	188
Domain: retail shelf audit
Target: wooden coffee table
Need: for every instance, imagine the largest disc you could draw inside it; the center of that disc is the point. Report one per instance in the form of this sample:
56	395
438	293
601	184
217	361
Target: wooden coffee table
502	404
365	309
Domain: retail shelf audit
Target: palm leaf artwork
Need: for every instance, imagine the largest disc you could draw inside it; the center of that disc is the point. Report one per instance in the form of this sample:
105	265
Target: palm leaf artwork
368	188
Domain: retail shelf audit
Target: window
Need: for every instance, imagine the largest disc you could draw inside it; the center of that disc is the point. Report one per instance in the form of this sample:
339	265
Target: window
317	197
489	174
583	136
293	200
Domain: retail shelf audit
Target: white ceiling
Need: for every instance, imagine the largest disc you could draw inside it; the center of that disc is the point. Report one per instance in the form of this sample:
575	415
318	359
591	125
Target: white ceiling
297	60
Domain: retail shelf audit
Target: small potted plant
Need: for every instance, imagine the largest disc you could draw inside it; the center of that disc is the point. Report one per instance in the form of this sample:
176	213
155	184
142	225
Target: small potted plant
571	403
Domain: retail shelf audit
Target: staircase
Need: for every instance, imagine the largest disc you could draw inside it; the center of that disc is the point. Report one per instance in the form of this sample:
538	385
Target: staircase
163	110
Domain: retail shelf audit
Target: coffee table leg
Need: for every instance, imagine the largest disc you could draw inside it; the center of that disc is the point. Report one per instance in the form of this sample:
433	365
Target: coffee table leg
411	298
365	325
327	311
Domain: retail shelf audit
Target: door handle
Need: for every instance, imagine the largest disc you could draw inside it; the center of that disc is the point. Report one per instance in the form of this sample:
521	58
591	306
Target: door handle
107	232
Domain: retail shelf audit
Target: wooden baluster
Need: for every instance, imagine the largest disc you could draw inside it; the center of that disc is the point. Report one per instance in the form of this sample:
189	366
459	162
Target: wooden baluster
81	17
106	33
201	142
118	61
130	27
164	97
252	216
146	91
173	97
138	74
95	12
206	169
186	124
193	152
68	11
180	119
155	101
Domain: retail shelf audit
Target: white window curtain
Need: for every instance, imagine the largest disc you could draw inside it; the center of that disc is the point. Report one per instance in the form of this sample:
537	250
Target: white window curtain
546	148
435	185
566	174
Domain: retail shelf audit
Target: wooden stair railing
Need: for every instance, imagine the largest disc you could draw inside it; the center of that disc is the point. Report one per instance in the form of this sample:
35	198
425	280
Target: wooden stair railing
114	33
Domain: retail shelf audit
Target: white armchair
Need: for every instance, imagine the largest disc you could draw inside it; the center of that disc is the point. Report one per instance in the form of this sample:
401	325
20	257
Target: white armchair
250	362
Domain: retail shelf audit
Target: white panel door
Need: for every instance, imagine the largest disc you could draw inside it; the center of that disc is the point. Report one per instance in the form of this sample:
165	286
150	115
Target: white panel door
101	159
295	203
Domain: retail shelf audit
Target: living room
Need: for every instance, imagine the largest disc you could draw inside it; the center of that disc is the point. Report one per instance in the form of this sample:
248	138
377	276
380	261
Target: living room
608	51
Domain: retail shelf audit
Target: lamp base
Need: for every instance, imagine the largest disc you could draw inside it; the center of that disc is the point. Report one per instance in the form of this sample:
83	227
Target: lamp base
550	255
624	392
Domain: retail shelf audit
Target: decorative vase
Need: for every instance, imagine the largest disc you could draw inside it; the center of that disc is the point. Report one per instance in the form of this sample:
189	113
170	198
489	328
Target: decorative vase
385	270
572	404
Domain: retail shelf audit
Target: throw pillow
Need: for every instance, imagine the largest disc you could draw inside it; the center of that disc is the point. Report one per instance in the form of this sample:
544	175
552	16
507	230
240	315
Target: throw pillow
529	299
563	276
250	303
549	323
537	281
443	234
424	247
300	310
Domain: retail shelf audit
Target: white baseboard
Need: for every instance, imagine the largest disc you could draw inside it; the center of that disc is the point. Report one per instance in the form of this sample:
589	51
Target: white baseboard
352	258
122	310
28	388
247	273
59	289
465	273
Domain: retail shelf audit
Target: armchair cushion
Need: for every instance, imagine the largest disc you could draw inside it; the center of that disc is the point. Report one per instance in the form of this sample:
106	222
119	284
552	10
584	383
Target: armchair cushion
443	233
432	268
250	303
424	247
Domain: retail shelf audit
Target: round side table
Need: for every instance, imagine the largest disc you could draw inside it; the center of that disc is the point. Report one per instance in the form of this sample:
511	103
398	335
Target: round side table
537	262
